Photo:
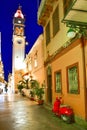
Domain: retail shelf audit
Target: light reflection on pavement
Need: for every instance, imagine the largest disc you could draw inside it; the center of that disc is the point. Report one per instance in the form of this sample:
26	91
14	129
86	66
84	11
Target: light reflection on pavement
5	97
19	113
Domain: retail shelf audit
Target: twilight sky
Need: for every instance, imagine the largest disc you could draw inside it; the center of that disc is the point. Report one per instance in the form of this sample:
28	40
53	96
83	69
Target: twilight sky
32	29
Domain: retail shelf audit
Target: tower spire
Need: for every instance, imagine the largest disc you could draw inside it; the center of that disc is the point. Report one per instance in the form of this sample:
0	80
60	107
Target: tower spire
19	7
18	13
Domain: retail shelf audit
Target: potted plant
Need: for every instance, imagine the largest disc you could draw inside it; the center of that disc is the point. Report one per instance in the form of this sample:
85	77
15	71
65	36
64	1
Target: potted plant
31	95
20	87
33	85
39	91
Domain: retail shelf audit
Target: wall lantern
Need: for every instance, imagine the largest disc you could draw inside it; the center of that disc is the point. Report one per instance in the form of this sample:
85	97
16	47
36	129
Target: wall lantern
71	33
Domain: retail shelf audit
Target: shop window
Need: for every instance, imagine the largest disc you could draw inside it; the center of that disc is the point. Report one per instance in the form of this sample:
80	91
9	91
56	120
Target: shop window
73	79
48	33
58	82
55	19
66	5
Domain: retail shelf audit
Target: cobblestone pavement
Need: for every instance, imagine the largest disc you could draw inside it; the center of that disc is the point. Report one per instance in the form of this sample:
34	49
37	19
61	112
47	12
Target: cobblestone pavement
19	113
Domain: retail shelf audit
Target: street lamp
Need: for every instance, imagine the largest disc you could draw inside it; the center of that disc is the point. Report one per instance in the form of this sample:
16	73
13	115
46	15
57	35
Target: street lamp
71	33
77	30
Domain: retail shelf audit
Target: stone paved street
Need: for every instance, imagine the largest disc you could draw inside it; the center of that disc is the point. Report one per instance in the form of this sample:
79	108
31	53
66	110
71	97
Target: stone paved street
19	113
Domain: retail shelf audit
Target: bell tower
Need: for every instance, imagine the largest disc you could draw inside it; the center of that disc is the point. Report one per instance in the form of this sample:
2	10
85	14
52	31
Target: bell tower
1	64
18	46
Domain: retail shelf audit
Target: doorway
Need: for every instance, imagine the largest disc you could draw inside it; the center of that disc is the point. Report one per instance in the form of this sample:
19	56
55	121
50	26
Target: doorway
49	85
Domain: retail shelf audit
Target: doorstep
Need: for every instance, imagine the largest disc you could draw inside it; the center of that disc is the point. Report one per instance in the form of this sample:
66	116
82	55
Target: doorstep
48	106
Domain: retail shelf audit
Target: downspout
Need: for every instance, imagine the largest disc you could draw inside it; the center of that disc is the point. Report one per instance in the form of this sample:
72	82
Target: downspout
83	40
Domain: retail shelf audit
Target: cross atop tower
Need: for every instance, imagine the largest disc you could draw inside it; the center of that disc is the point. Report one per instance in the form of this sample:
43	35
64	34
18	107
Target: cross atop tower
19	7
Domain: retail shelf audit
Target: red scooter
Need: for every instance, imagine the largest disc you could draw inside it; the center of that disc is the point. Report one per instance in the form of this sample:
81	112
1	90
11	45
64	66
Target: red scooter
65	112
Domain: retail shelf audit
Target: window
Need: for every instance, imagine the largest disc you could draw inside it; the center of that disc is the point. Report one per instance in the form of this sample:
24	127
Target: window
58	82
73	81
35	60
55	19
66	4
30	64
47	33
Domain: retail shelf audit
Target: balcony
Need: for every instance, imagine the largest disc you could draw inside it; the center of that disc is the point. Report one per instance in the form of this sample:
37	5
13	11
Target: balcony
45	8
77	14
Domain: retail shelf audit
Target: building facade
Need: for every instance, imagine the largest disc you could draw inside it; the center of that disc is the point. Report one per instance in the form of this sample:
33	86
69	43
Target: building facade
64	58
2	81
35	61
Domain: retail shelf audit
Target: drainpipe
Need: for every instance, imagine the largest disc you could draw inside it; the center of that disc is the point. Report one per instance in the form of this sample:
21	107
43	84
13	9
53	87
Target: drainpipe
83	40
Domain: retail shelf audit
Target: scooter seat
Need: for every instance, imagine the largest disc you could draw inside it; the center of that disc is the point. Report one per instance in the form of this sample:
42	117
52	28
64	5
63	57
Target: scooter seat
64	105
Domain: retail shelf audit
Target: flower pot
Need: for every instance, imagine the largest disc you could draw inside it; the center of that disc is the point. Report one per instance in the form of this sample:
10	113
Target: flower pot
40	102
32	98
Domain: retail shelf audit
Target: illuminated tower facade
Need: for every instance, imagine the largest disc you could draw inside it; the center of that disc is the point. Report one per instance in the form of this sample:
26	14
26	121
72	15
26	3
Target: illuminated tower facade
1	64
18	46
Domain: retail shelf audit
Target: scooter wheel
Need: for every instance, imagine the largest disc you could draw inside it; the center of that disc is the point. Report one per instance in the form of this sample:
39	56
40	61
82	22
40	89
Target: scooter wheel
66	119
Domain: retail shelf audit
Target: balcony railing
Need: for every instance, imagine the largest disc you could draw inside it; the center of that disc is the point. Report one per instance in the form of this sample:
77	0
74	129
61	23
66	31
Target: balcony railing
77	13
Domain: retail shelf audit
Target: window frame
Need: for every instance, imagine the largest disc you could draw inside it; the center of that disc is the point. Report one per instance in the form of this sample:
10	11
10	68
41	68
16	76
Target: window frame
66	5
35	59
71	89
58	89
55	22
47	31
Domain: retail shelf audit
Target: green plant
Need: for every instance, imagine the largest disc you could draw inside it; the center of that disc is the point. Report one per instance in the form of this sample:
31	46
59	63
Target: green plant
21	84
34	84
39	91
36	89
20	87
31	93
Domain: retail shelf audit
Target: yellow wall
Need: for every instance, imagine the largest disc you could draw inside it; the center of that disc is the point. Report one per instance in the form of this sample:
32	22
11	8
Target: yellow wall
38	71
74	55
76	101
61	37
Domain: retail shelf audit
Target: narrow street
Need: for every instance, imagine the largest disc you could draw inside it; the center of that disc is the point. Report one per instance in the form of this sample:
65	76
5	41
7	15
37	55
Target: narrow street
19	113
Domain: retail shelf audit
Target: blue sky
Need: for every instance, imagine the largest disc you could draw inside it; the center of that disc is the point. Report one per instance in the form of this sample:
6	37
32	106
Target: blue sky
32	29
